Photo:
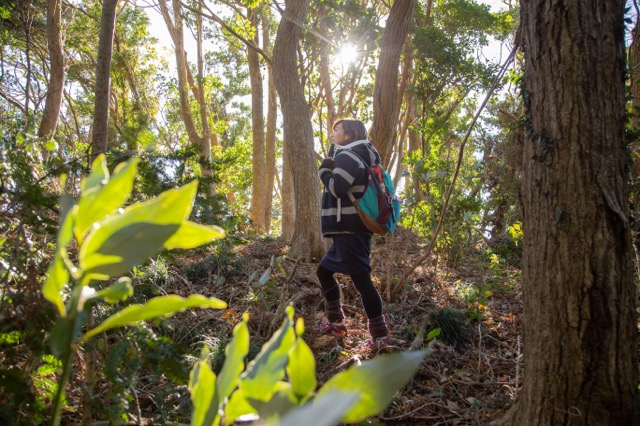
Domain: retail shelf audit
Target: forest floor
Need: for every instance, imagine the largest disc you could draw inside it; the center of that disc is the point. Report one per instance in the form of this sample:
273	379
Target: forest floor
473	374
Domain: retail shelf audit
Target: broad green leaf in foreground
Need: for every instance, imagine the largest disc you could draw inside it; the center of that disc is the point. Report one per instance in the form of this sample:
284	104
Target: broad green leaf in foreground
157	307
376	380
262	373
227	381
302	370
235	353
201	385
57	274
125	240
99	175
191	235
325	410
95	205
237	407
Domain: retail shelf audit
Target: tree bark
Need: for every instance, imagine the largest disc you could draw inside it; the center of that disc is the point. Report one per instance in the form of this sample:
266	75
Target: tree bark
580	335
298	133
386	87
103	78
205	141
270	136
288	197
55	89
258	193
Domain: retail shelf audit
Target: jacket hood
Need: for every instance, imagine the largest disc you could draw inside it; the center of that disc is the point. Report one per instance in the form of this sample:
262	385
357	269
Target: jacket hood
364	149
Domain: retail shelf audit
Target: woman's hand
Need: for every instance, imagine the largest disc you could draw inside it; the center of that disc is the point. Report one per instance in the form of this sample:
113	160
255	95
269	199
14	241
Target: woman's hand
327	163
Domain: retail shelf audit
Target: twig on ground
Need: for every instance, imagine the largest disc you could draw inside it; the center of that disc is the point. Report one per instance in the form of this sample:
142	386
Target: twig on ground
283	296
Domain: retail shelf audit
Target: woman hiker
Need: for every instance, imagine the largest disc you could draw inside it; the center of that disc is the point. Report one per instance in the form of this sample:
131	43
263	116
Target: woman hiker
349	253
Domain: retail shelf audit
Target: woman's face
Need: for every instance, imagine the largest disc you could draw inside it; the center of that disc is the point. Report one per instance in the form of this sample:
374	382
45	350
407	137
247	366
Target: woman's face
339	136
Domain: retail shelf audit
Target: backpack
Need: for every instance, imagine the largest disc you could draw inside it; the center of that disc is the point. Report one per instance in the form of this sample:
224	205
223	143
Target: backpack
379	206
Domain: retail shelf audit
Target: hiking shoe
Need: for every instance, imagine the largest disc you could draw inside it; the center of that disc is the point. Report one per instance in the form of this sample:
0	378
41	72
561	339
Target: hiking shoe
379	345
332	329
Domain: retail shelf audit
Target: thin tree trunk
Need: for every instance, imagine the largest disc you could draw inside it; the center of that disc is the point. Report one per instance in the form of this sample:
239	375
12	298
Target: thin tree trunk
580	333
325	77
205	141
55	89
270	136
103	79
386	87
258	193
298	133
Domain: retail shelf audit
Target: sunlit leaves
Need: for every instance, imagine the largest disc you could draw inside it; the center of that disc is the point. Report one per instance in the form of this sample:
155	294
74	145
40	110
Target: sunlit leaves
157	307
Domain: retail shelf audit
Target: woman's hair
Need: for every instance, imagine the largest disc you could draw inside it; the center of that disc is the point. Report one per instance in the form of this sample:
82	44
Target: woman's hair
354	128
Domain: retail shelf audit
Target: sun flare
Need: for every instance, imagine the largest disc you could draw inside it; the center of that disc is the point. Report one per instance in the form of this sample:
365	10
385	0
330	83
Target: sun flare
346	56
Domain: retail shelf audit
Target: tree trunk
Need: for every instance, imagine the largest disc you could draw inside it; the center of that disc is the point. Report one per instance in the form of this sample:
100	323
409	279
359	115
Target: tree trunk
288	198
182	66
634	90
580	335
270	136
56	73
205	141
325	77
258	193
298	133
103	81
385	91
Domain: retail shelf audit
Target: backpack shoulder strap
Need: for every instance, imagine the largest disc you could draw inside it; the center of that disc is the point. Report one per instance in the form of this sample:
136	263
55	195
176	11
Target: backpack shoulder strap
366	165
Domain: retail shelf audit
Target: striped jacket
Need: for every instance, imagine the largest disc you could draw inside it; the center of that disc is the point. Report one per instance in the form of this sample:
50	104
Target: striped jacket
339	216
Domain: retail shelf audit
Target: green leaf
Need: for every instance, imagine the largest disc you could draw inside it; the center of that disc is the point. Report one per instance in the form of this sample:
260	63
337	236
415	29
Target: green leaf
376	380
124	248
51	145
57	278
237	407
325	410
191	234
57	274
96	204
2	241
235	353
117	292
99	175
157	307
263	372
301	370
125	240
434	333
281	402
201	386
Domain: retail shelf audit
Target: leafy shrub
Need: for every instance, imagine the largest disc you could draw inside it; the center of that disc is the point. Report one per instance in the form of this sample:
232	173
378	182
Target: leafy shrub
259	392
454	327
112	241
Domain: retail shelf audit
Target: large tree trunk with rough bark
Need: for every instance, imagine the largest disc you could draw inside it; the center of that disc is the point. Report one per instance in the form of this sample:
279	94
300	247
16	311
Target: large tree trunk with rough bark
580	335
103	78
55	89
385	91
298	133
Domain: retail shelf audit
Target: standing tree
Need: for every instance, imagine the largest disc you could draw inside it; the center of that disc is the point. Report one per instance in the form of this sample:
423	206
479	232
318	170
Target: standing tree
103	78
258	188
298	133
580	353
385	93
55	89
